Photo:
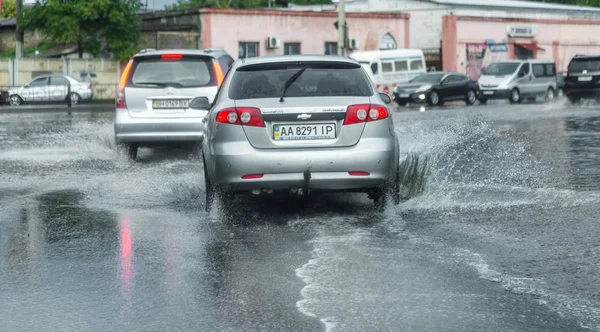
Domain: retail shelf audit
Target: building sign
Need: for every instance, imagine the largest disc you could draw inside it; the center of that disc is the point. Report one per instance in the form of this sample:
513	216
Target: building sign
521	31
479	56
387	42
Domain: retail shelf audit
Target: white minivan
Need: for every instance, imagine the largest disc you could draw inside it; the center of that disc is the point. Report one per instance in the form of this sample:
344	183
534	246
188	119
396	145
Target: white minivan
388	68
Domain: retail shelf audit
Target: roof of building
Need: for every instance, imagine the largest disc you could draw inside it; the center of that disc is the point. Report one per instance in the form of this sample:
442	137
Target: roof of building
514	4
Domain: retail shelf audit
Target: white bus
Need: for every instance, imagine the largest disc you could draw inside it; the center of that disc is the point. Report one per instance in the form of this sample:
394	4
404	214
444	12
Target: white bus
388	68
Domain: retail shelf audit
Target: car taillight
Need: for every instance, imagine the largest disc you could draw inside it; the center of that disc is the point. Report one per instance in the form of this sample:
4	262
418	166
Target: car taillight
218	73
364	112
90	86
120	95
356	114
120	100
377	112
246	116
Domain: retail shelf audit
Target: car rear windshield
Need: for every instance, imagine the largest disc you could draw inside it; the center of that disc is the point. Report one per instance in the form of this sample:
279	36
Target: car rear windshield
318	80
187	72
589	64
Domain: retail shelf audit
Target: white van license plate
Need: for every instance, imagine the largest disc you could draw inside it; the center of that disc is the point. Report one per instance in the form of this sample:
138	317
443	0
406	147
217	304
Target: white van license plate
488	93
584	78
404	95
170	103
285	132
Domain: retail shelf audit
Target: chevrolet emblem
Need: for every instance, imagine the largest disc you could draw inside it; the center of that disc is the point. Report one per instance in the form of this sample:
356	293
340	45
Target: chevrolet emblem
303	116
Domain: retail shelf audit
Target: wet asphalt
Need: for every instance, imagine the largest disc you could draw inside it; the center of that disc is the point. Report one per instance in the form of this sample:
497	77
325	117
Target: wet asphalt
499	231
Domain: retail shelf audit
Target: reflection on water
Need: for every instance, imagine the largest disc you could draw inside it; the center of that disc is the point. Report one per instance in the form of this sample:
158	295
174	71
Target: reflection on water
584	152
125	261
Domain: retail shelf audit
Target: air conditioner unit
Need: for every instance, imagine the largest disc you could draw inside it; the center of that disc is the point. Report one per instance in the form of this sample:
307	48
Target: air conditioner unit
353	44
273	42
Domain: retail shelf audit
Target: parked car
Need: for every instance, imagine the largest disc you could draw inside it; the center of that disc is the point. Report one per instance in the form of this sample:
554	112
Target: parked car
583	78
435	88
50	88
518	79
388	68
152	102
299	124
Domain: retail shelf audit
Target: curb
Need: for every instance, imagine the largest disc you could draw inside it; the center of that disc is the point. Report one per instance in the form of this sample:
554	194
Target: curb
108	107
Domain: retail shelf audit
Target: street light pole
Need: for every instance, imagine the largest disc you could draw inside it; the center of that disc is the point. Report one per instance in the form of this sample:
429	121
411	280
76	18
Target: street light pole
20	34
341	27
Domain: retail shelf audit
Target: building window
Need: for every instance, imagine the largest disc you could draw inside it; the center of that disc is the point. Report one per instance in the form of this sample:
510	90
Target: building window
247	49
387	42
291	48
522	53
330	48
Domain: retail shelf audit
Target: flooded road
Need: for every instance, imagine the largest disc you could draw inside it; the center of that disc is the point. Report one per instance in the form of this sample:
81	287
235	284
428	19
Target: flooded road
500	231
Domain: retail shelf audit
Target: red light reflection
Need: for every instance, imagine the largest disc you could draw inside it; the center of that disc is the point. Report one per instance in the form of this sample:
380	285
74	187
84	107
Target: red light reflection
126	256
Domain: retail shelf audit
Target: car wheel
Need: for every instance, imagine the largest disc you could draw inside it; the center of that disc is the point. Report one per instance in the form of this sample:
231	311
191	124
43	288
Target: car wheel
75	98
483	101
515	96
394	188
132	151
209	192
434	98
560	94
471	97
15	100
379	197
550	95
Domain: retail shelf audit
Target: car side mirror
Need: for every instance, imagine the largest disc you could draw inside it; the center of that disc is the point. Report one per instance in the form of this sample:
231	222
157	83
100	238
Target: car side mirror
521	74
482	71
26	85
386	99
200	103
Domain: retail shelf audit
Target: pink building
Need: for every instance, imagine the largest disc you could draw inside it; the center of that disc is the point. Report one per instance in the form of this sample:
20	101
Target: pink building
244	33
471	43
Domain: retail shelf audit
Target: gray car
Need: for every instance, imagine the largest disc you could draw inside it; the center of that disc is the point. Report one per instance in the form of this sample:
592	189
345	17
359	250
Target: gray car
299	124
152	102
50	88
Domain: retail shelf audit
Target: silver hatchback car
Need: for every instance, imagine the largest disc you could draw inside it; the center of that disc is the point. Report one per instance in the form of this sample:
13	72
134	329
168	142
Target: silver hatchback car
152	102
299	124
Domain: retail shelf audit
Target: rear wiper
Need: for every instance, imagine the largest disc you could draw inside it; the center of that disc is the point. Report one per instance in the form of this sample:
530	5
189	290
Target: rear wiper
291	80
152	83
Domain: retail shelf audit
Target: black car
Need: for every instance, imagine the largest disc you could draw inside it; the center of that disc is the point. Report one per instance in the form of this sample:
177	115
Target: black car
435	88
583	78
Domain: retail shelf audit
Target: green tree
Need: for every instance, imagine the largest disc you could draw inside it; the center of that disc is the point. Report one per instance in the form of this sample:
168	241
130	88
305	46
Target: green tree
94	26
9	9
243	3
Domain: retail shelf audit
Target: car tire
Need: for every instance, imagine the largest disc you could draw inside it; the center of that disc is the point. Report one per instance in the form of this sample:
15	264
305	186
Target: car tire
434	98
401	103
560	94
75	98
132	151
550	95
15	100
394	188
471	97
209	191
380	199
515	96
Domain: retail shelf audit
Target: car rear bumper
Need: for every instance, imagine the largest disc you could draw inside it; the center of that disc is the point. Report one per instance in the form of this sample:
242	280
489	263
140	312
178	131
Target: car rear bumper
494	93
285	169
156	130
580	92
